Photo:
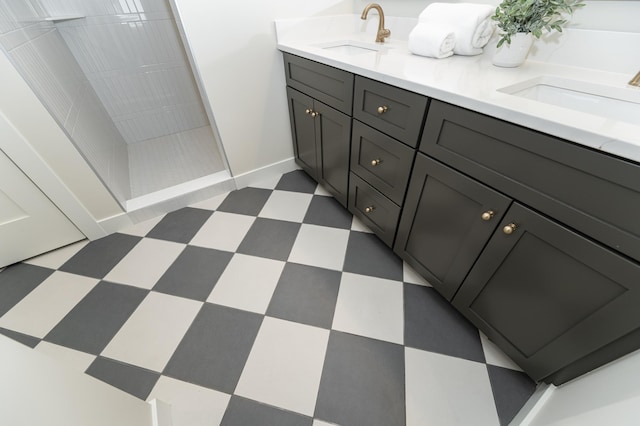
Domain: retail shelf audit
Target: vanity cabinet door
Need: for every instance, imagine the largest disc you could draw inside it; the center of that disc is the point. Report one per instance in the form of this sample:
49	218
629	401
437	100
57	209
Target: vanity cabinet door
548	296
446	221
322	142
333	133
303	132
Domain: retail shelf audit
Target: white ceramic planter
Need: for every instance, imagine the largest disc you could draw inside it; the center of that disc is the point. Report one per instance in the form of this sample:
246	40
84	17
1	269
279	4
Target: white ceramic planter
514	54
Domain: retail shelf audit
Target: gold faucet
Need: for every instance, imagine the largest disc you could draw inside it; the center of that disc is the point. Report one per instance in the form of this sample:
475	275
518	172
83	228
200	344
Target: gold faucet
382	31
635	81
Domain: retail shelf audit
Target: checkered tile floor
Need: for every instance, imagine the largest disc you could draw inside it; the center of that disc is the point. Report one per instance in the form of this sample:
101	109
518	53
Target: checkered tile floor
270	305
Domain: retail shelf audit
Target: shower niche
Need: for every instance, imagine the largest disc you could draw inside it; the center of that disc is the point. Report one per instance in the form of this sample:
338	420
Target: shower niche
117	77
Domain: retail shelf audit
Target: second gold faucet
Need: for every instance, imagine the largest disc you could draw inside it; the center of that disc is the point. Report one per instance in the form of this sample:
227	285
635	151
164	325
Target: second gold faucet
382	31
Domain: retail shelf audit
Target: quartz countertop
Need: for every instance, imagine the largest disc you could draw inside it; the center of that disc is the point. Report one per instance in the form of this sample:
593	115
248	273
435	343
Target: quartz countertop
473	82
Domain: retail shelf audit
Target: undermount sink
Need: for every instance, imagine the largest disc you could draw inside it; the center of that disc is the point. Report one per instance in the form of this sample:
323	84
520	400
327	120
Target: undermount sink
352	47
618	103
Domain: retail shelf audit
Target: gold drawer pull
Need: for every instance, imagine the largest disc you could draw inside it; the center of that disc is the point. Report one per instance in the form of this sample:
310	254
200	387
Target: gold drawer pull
382	109
308	111
376	162
369	209
510	228
488	215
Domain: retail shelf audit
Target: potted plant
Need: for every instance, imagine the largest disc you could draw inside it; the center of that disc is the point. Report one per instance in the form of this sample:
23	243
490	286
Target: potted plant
519	21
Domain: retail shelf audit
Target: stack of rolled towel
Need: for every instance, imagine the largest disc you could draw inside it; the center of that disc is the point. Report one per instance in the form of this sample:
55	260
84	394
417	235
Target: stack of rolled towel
445	29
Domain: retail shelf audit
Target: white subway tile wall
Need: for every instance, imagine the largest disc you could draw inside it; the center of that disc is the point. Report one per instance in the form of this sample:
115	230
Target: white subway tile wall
113	78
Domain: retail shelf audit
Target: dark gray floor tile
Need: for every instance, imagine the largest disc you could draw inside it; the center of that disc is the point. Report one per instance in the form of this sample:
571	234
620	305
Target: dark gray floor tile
367	255
18	280
214	350
181	225
297	181
133	380
194	273
270	238
432	324
511	390
93	322
306	294
326	211
247	201
362	382
98	257
25	339
243	412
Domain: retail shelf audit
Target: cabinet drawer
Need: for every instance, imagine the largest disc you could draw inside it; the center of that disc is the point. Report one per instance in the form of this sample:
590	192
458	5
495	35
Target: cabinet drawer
329	85
382	161
374	209
396	112
550	297
595	193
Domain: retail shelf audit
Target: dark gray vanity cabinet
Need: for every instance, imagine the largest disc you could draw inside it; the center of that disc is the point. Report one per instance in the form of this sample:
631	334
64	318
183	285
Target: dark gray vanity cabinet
549	296
386	129
535	239
320	99
446	221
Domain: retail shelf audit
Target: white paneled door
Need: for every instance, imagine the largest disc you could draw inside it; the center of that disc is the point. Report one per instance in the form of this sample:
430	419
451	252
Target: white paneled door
30	223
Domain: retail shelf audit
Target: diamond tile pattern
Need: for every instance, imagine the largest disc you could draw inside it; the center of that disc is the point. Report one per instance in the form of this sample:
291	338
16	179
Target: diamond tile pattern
268	305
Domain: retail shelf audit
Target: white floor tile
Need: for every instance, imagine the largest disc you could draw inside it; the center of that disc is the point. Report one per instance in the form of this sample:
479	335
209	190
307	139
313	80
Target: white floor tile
47	304
321	191
212	203
443	390
285	365
191	405
357	225
268	183
154	330
371	307
247	283
495	356
56	258
141	229
320	246
70	358
145	263
409	275
223	231
286	205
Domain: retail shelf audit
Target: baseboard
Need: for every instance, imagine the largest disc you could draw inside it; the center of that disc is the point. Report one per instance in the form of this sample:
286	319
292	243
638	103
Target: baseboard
176	197
160	413
263	173
532	407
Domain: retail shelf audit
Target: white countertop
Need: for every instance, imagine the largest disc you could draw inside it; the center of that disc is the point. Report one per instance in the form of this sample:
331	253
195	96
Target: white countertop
472	81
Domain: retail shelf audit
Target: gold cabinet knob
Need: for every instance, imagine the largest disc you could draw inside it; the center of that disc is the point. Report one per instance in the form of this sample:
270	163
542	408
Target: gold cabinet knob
369	209
314	114
376	162
308	111
510	228
488	215
382	109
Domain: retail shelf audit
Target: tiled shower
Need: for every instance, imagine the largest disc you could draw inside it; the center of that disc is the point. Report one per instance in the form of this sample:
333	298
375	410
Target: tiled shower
117	78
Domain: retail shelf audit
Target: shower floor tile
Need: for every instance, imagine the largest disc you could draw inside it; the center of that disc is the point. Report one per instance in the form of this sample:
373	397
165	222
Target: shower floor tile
302	317
159	163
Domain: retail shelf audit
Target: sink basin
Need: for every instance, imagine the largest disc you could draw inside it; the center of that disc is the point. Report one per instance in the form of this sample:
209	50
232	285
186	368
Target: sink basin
618	103
352	47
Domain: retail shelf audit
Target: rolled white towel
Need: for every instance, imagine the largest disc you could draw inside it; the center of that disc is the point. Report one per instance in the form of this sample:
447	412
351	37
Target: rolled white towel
472	22
432	39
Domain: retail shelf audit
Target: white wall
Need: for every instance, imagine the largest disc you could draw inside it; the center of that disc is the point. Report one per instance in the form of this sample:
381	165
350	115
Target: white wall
234	47
596	15
608	395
